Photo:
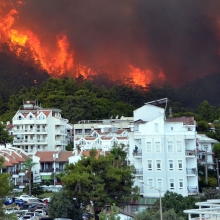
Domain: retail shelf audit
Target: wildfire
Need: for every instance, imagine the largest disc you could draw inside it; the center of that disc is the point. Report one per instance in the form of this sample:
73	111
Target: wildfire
59	60
59	63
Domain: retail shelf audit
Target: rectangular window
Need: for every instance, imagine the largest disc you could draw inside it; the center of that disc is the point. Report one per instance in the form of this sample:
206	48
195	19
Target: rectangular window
179	147
150	183
156	127
180	183
149	165
180	165
170	147
205	147
170	164
172	184
149	149
159	183
157	147
158	164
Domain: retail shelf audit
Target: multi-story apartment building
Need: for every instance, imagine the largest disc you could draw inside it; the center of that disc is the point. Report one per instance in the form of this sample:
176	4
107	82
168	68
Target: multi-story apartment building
36	128
102	134
205	154
13	160
163	151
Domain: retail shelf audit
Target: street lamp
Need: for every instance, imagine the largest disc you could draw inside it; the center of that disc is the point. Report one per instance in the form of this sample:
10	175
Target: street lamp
54	171
206	165
161	212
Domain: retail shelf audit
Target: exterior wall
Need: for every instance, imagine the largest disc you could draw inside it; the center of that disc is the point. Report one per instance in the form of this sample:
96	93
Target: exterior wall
148	112
204	150
169	148
33	132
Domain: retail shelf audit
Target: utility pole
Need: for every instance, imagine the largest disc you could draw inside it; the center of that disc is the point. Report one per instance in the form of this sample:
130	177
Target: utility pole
206	166
217	169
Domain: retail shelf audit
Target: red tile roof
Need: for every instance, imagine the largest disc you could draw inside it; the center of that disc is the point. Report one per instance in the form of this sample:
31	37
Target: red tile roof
185	120
45	156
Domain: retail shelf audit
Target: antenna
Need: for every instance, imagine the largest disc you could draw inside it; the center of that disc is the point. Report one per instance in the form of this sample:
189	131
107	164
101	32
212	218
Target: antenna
170	112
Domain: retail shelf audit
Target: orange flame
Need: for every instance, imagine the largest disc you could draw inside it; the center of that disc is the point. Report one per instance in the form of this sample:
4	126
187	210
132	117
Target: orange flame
141	77
59	64
60	61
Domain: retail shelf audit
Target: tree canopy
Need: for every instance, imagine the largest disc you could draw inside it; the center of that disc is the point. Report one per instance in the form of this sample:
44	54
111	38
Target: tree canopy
95	179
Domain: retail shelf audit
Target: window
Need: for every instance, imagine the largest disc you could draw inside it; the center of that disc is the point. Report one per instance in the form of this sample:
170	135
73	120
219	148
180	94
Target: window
180	183
150	183
158	164
170	164
157	147
172	184
205	147
159	183
180	165
149	150
149	165
170	146
179	147
156	127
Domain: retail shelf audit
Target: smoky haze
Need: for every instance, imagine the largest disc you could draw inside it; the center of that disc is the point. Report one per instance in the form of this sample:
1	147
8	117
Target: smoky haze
179	38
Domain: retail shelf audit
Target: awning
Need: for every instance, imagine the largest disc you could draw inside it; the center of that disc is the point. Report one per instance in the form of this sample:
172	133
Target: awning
46	177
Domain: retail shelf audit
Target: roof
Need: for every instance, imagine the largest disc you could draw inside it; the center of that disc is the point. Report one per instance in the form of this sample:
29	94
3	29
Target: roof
47	156
64	156
185	120
86	153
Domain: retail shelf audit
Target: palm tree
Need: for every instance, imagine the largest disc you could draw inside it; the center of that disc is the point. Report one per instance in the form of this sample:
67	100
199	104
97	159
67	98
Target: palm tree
27	165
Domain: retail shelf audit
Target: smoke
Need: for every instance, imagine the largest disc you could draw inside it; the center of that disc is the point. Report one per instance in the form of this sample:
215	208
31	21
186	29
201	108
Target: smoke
179	38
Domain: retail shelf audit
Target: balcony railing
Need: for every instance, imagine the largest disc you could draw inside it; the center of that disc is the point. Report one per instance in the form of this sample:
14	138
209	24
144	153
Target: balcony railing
192	171
137	153
192	190
47	170
190	152
139	172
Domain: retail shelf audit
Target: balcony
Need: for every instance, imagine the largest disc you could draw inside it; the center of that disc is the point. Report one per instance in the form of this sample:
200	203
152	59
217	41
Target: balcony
192	190
191	171
137	153
41	140
190	153
59	170
23	141
139	172
48	170
42	130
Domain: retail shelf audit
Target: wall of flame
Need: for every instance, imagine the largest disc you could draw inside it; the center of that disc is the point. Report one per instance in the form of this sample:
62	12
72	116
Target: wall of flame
139	40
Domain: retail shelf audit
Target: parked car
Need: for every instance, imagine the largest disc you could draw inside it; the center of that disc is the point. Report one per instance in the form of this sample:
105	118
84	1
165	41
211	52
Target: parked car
44	199
25	197
25	217
19	202
41	212
11	210
8	201
34	216
39	206
33	200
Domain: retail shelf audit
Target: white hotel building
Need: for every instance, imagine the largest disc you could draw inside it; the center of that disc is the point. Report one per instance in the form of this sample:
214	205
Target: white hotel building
39	129
163	151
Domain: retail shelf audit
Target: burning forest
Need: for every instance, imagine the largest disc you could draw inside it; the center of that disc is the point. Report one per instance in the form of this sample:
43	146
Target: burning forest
135	42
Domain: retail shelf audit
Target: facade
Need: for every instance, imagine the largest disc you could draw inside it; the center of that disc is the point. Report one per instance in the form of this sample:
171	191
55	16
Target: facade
102	134
50	163
163	151
204	150
39	129
14	158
